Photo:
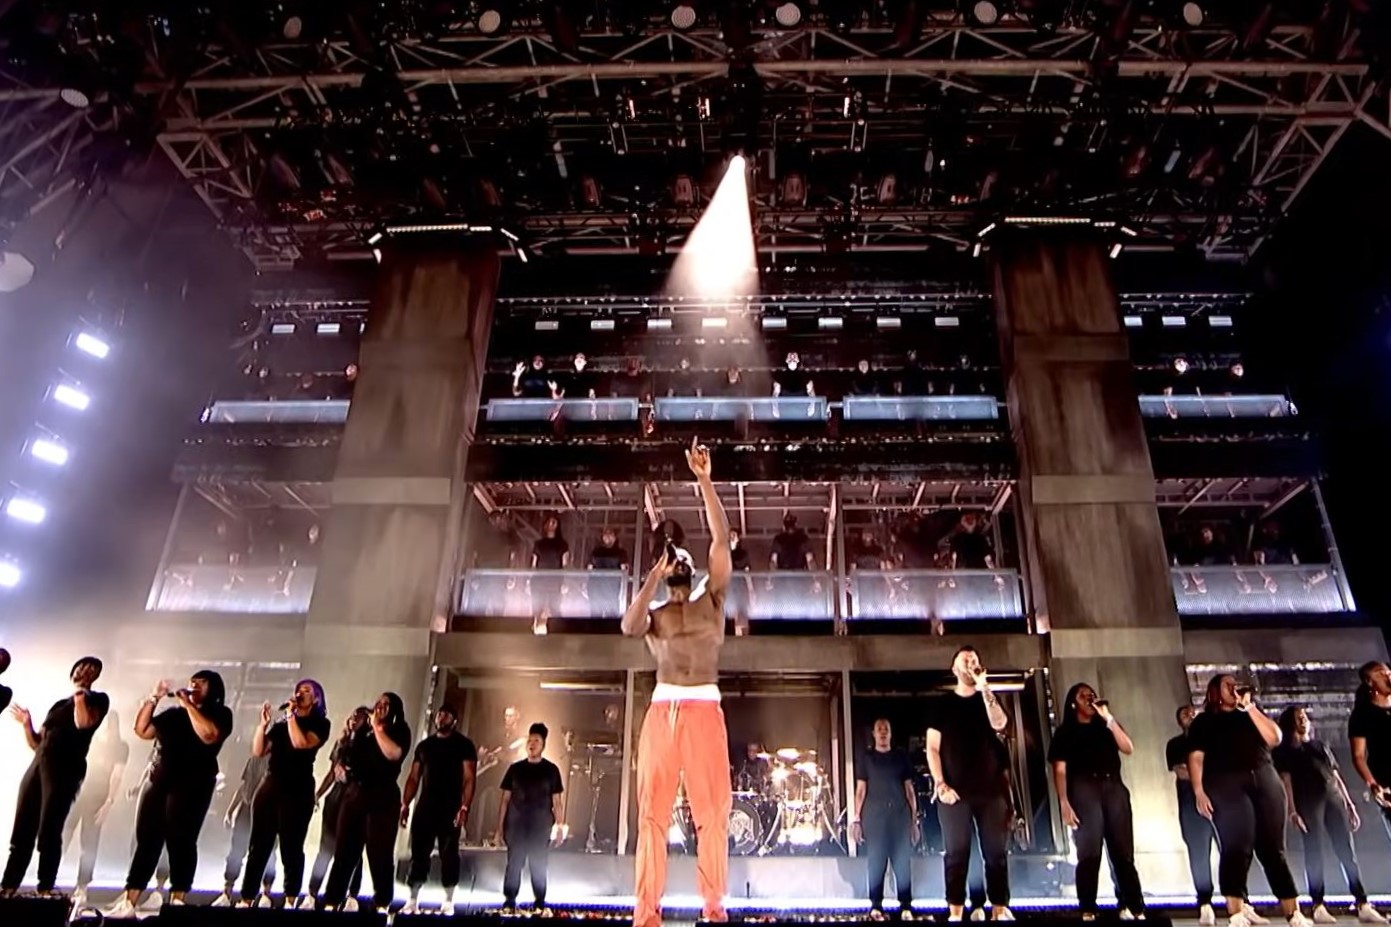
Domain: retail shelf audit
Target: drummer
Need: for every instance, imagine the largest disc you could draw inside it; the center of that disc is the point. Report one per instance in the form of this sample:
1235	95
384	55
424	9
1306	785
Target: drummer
756	770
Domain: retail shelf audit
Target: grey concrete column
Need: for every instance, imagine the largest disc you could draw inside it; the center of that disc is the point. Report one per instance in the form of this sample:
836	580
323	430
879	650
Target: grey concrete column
1093	545
390	544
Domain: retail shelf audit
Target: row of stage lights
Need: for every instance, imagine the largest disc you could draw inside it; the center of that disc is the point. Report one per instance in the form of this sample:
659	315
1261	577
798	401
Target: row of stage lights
47	449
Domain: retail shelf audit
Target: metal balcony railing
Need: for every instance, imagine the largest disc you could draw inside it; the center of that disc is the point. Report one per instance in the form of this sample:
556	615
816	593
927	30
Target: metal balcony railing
1258	590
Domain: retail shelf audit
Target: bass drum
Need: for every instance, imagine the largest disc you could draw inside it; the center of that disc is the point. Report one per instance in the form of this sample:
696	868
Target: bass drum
747	827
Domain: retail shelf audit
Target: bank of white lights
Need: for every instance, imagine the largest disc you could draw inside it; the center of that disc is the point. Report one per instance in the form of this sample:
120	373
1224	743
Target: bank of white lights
50	450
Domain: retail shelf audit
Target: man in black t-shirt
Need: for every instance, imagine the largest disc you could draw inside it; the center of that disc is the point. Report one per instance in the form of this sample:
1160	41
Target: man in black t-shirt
866	556
886	818
1369	734
971	786
970	548
551	552
791	548
51	784
531	806
445	770
1198	835
605	593
791	381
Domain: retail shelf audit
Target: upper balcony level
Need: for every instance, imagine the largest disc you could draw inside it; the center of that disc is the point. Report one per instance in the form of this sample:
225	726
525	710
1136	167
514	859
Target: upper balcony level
809	557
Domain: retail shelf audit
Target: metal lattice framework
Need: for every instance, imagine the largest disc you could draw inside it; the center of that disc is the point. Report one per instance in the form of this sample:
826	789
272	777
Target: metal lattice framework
1191	138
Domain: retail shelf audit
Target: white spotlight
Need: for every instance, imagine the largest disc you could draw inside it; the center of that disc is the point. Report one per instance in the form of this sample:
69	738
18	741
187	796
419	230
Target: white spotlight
683	16
50	452
91	344
788	15
718	260
985	12
71	397
26	510
1193	15
329	328
489	21
293	28
9	575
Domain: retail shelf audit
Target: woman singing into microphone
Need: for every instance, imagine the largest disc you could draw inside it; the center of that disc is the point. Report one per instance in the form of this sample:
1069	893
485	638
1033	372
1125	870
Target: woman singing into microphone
284	803
1086	757
371	805
181	784
1235	785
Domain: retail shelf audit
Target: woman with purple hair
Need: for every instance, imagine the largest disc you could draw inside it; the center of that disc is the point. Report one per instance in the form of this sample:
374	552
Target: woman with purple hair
284	803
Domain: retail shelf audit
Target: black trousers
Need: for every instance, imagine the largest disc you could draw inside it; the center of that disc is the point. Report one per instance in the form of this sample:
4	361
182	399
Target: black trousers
528	842
328	842
888	836
987	816
170	815
1103	813
280	813
1199	837
1326	818
431	827
236	853
367	820
83	819
1249	813
46	795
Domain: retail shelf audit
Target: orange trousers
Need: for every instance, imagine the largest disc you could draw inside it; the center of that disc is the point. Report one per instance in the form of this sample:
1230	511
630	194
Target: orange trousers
677	737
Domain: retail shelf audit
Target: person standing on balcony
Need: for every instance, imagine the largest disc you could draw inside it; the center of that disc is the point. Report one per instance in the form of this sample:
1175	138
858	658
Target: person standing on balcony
605	594
1086	758
972	788
1236	786
684	735
534	381
1198	835
1320	808
550	553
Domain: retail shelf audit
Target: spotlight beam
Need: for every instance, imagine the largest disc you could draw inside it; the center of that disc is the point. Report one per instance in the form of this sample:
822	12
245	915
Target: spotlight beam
719	259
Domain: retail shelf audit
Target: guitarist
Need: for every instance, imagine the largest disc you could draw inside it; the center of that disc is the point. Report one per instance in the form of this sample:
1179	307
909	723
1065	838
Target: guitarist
504	748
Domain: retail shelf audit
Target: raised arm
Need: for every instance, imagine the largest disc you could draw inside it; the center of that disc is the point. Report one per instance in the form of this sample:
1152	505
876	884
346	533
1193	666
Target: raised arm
389	748
698	457
260	744
145	717
1123	742
1270	731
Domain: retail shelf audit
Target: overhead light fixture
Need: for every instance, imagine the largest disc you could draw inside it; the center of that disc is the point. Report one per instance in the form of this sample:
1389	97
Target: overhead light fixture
374	238
547	325
986	231
774	323
16	271
830	323
659	325
683	16
491	20
283	328
947	321
1116	250
1134	321
788	15
601	325
1192	15
714	321
10	575
50	452
26	510
1173	321
1048	220
72	397
329	328
985	12
975	251
1219	321
292	28
888	321
91	344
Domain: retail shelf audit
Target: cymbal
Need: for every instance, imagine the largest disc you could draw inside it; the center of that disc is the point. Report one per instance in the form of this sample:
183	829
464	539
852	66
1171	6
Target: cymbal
789	754
811	769
763	756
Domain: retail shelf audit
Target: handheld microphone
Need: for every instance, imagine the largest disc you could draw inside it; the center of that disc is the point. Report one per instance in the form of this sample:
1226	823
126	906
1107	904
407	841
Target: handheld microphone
176	693
285	706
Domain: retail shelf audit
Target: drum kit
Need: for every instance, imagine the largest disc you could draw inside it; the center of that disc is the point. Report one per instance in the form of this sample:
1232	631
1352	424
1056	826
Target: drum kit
782	803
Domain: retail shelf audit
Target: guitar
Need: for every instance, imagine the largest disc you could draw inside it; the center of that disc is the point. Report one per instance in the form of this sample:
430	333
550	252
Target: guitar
495	757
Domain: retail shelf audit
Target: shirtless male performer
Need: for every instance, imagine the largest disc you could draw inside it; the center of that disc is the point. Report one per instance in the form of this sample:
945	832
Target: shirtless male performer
684	731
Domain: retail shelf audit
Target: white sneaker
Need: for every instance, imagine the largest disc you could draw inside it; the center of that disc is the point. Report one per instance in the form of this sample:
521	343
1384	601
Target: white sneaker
176	902
1323	916
243	904
1252	916
978	915
153	902
1239	920
264	902
412	907
955	918
350	906
307	903
222	901
1206	916
121	909
79	899
1297	919
1366	914
1002	913
447	909
1126	914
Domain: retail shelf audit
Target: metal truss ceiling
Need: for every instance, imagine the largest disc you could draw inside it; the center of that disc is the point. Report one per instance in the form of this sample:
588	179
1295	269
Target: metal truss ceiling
1274	112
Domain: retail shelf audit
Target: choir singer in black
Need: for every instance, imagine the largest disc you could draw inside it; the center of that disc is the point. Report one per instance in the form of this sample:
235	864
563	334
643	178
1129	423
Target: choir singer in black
183	777
444	772
1086	757
531	806
284	801
51	784
1235	785
886	819
972	788
367	816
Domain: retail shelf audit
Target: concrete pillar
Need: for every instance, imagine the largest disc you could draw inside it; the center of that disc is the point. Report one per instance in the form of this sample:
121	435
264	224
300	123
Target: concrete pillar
1093	544
390	541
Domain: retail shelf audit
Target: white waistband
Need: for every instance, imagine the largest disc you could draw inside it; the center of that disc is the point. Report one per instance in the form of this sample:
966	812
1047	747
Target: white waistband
668	692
